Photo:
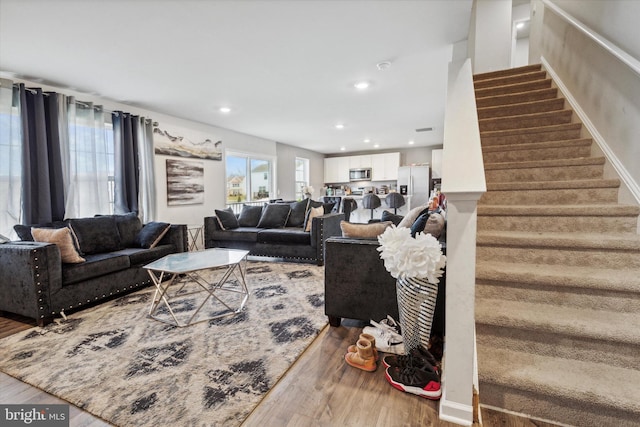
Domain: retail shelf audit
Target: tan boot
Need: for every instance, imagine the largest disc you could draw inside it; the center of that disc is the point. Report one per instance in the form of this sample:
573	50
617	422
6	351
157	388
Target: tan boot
353	348
363	357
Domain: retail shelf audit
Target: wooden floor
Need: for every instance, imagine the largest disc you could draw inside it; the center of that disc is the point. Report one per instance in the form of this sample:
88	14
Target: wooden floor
318	390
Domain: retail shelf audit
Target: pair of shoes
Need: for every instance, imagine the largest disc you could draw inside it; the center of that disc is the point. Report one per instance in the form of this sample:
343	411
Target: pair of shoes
421	382
363	354
417	372
387	334
418	357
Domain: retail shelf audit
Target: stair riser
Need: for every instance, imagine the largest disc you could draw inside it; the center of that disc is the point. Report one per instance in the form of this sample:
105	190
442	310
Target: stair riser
520	122
543	406
555	345
563	296
509	80
517	88
617	259
560	135
559	173
579	196
514	110
517	98
507	72
578	224
536	154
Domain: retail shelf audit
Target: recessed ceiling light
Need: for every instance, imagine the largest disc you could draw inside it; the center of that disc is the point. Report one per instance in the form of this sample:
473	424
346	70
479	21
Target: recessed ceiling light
376	145
342	148
225	110
520	25
361	85
366	141
339	126
411	142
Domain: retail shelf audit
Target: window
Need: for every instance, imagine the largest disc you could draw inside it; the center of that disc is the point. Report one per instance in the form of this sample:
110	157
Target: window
302	176
11	164
249	178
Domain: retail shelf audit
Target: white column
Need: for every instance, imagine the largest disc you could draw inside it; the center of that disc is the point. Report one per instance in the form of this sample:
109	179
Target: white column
490	35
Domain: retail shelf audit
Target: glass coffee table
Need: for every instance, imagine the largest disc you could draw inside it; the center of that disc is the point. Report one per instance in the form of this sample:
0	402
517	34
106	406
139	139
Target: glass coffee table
193	287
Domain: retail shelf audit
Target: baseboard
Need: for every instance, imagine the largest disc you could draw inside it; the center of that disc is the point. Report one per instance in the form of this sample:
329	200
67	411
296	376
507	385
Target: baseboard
455	412
622	172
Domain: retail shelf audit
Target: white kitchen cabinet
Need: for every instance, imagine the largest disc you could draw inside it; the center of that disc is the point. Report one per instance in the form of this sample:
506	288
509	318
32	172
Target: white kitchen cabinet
331	170
359	162
384	167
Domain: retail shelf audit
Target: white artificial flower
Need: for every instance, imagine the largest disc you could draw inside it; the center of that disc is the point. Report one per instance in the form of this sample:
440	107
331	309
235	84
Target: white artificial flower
405	256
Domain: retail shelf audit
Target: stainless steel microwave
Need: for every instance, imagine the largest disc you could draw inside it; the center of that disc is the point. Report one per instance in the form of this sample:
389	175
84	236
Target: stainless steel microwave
360	174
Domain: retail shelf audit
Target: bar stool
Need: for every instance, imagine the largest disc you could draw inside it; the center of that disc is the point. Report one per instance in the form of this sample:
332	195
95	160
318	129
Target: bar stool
394	201
348	205
371	201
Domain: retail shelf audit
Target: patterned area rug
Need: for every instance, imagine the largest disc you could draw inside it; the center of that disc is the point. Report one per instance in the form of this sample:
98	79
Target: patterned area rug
118	364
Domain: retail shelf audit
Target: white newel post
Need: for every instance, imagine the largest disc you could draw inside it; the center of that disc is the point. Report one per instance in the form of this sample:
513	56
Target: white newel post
463	183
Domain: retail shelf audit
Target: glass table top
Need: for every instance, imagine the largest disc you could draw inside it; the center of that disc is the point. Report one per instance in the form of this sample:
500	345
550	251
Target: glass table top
185	262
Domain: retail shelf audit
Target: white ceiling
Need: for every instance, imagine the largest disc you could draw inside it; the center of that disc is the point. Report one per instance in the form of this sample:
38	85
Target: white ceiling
286	68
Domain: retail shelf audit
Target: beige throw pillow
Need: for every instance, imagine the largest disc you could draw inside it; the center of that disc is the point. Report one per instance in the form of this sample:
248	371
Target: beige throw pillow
62	238
434	225
411	216
313	212
365	231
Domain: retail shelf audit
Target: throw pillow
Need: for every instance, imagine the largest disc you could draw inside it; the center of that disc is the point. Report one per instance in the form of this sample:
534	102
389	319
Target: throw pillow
151	234
129	225
388	216
24	231
96	235
250	216
364	231
435	224
418	225
412	215
297	214
61	237
313	212
227	219
274	215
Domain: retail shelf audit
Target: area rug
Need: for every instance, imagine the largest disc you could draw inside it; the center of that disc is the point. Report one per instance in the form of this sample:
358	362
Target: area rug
118	364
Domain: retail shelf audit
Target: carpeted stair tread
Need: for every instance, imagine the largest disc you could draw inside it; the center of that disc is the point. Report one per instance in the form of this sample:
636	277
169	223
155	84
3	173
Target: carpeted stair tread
582	277
533	130
600	385
517	98
523	121
509	79
545	105
593	210
553	239
546	163
507	72
537	145
513	88
553	185
598	325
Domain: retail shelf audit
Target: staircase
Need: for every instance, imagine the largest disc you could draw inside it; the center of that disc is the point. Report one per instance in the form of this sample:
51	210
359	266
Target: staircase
558	263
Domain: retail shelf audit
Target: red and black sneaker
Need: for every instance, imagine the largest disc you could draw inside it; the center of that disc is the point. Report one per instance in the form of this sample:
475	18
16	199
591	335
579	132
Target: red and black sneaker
424	383
417	358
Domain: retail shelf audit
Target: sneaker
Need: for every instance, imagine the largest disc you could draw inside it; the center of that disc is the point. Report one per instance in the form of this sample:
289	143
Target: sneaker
424	383
417	357
386	335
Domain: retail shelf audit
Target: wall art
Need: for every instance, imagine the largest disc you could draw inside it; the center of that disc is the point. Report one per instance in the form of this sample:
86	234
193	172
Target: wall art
185	182
180	146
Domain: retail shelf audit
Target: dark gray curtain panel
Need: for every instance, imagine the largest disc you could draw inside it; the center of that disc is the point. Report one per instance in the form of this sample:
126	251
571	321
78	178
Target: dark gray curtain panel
127	186
42	178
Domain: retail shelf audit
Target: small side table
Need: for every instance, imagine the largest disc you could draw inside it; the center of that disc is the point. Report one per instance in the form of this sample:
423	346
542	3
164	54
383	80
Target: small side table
196	237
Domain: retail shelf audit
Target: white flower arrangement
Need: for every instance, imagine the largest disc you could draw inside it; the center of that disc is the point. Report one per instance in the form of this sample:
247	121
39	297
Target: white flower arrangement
307	190
405	256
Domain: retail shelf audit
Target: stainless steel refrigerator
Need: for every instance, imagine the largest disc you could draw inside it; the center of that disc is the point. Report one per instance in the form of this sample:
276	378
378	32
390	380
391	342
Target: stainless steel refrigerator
413	181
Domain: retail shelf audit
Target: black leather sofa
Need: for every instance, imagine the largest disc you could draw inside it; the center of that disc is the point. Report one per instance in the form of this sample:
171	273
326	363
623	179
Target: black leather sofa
357	285
35	283
289	243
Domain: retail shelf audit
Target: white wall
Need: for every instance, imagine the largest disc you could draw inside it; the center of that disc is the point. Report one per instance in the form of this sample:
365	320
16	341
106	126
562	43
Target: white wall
490	35
286	167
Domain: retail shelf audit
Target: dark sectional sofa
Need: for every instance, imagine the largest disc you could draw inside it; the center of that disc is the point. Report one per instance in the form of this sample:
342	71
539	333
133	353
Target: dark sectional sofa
275	230
36	283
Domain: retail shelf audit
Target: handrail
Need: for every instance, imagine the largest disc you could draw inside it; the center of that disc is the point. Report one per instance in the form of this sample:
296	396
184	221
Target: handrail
606	44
